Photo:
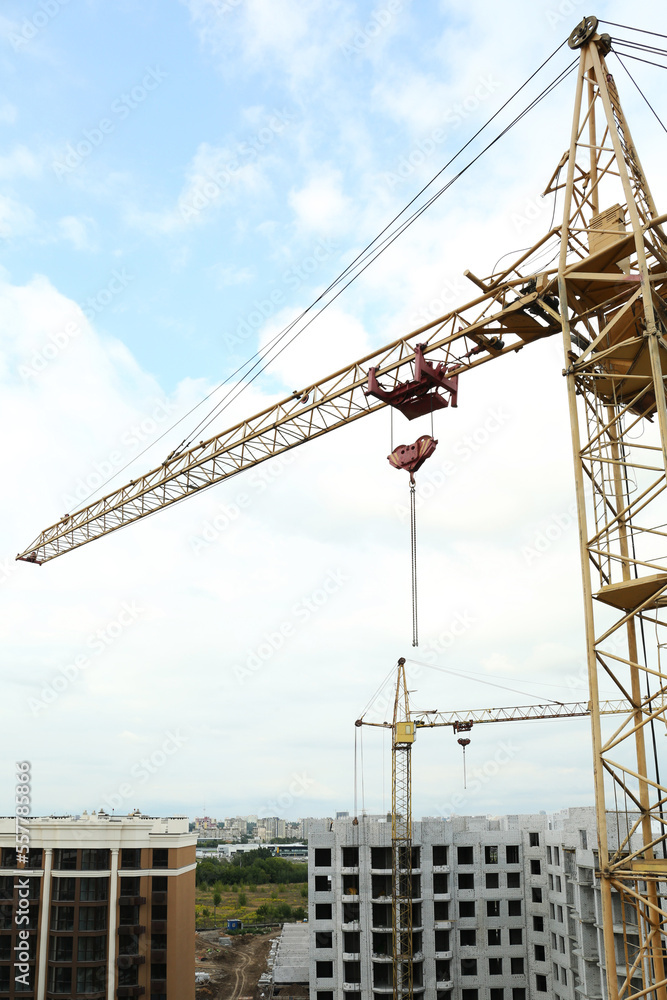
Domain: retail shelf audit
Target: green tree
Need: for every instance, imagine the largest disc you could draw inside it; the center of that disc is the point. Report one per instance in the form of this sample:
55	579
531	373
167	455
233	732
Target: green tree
304	892
217	899
281	887
243	899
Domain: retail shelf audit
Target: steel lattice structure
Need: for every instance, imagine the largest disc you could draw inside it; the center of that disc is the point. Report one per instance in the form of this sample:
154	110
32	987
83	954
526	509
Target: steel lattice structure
606	299
402	738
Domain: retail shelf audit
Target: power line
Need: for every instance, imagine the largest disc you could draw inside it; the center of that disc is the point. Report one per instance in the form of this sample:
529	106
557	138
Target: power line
655	113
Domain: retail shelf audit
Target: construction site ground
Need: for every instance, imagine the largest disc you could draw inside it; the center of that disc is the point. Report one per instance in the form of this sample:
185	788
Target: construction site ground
235	968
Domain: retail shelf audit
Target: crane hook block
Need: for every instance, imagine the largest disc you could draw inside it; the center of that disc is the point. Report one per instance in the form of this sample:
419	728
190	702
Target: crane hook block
422	394
464	743
412	456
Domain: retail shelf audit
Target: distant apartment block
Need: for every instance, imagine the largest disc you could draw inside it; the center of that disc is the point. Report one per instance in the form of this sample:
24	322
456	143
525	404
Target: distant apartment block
109	905
504	909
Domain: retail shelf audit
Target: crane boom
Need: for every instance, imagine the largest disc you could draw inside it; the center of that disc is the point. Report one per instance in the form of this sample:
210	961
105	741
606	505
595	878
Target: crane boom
491	325
517	713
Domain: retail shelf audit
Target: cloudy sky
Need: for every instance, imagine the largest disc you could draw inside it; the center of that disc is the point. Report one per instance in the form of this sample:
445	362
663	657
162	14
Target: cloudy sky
179	179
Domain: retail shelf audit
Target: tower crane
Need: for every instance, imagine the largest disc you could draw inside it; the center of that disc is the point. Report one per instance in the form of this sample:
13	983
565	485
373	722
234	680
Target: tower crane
404	726
605	298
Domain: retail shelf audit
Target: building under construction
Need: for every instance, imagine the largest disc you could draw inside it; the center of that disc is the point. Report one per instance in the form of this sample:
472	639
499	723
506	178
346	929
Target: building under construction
503	909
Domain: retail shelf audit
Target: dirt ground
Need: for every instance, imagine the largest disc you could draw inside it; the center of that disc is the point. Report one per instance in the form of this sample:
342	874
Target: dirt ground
235	969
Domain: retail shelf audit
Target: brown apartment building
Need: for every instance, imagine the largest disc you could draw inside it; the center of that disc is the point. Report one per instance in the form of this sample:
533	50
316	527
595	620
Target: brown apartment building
104	908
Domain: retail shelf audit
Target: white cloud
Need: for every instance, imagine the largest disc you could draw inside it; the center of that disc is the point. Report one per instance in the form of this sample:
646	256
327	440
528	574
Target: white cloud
320	205
8	111
16	219
19	163
74	229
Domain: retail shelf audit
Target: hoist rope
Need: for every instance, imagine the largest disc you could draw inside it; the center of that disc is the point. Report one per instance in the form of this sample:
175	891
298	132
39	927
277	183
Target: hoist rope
413	558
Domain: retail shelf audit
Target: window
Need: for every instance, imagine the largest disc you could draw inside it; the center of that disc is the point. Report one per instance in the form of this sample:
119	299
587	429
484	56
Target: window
440	911
464	855
91	949
60	980
495	966
563	976
493	936
158	970
324	970
96	860
468	938
559	911
555	972
64	860
323	857
63	889
324	939
549	856
92	889
128	944
493	907
322	883
536	895
538	923
552	910
159	883
158	942
440	883
561	944
469	994
62	918
492	880
497	993
557	856
351	914
535	867
466	881
514	907
468	966
350	856
91	980
323	911
157	913
534	839
5	948
440	856
541	984
60	949
516	935
583	839
551	881
512	854
559	884
442	940
554	941
518	993
490	855
6	887
128	977
351	972
130	885
514	880
130	857
160	857
540	954
93	918
466	908
325	995
516	966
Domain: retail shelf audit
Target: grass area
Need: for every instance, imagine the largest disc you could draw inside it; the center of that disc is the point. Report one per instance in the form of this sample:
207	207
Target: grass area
233	906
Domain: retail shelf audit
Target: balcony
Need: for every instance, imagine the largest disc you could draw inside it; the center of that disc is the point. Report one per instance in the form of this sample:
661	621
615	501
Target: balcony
351	956
381	899
351	987
130	991
350	871
380	871
441	925
441	869
445	984
353	925
381	957
380	929
444	955
387	988
131	928
442	897
158	926
132	900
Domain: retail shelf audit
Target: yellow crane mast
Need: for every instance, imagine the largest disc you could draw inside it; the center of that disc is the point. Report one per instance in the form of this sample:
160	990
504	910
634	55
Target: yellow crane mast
606	299
403	731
